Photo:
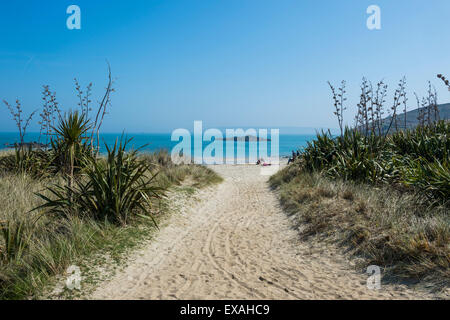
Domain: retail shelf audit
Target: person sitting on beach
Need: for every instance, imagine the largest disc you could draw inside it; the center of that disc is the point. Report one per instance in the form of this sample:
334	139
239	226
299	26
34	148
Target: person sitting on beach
262	162
293	157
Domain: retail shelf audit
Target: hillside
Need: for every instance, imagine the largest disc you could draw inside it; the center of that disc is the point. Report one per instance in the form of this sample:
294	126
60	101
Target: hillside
411	117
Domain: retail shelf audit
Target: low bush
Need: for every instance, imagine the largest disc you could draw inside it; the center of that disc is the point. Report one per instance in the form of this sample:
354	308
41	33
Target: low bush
382	226
114	189
417	158
36	245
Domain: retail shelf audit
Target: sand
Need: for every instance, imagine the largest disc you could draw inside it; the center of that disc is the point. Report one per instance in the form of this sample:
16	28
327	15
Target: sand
236	243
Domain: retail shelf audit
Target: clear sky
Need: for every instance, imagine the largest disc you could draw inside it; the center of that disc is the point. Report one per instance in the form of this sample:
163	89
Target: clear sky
229	63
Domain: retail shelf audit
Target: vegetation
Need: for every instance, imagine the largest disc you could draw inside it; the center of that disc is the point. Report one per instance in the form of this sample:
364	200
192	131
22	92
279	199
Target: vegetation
37	245
415	159
111	189
66	202
16	114
382	226
381	188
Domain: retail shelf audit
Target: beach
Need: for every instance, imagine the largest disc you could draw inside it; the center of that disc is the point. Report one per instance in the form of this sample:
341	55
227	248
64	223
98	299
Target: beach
234	242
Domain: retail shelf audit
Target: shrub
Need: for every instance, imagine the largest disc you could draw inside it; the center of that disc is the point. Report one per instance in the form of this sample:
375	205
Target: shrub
416	158
431	179
70	148
25	160
112	189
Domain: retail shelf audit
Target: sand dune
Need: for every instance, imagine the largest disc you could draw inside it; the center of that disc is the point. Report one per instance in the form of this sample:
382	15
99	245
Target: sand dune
237	244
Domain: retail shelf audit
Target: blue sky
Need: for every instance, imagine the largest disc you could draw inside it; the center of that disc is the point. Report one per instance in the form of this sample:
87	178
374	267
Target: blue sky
229	63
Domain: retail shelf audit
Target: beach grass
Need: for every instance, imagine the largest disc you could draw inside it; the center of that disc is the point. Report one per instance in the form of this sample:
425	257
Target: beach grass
384	195
36	246
381	225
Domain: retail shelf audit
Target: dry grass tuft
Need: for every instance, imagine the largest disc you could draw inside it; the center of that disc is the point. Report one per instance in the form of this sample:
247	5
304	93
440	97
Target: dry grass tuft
383	226
48	244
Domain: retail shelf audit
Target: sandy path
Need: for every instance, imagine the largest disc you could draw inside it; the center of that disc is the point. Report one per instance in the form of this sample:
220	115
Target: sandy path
238	244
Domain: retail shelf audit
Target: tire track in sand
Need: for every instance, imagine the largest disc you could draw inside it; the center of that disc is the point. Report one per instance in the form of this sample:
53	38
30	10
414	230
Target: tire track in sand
236	243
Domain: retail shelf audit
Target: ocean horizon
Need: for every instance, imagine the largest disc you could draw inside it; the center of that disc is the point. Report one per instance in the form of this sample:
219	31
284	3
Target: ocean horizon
150	142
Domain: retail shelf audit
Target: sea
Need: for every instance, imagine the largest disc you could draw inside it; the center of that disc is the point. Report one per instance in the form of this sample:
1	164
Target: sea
150	142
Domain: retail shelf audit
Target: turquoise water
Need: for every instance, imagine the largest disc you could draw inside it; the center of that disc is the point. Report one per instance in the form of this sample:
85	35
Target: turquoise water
156	141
